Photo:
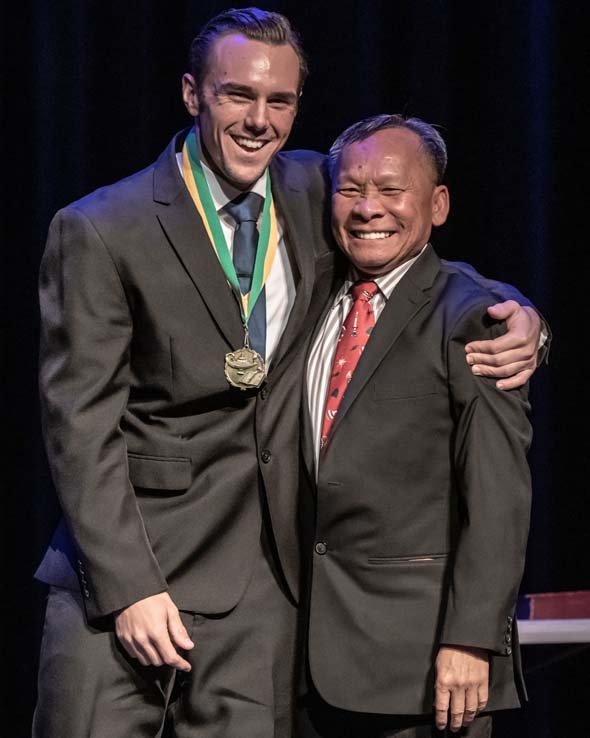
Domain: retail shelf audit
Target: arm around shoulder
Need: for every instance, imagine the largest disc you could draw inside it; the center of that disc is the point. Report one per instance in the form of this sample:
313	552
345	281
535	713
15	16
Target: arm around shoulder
513	357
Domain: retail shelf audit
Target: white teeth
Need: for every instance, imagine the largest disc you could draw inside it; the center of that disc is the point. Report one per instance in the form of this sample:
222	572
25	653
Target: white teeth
249	144
371	236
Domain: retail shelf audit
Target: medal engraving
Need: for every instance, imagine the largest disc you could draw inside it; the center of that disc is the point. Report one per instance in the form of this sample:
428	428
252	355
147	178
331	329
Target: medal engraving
245	368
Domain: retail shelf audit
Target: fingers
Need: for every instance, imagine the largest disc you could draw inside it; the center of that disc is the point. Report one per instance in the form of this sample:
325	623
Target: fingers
498	356
139	646
513	367
150	629
515	381
503	372
153	648
523	358
147	654
511	354
441	707
503	310
178	633
482	696
457	709
506	370
169	655
506	342
461	686
468	717
471	706
137	651
501	350
462	704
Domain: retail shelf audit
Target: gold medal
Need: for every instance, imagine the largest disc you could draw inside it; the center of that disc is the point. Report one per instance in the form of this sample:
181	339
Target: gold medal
245	368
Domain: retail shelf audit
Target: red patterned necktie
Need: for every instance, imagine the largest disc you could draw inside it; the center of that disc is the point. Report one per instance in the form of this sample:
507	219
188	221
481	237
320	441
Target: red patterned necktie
354	335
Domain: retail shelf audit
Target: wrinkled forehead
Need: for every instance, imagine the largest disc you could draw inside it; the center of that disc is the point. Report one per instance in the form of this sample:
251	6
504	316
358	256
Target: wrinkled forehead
391	151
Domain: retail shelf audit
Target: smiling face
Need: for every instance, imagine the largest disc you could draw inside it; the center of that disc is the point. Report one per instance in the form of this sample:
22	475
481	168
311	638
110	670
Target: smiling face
246	106
385	200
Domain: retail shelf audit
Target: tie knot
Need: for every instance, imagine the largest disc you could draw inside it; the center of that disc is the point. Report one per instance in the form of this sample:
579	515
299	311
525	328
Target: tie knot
245	207
364	291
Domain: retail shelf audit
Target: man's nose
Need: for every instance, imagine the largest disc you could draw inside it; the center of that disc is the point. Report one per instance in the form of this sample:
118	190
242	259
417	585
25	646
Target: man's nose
368	207
257	118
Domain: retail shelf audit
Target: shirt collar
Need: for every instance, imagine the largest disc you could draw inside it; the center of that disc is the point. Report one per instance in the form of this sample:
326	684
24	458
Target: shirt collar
222	195
386	282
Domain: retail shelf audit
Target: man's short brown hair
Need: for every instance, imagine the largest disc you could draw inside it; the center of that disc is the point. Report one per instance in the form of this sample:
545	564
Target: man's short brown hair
253	23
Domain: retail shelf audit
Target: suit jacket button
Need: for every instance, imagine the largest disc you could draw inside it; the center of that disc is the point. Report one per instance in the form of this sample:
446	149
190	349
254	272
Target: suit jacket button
509	618
321	548
86	593
266	456
508	638
263	393
508	650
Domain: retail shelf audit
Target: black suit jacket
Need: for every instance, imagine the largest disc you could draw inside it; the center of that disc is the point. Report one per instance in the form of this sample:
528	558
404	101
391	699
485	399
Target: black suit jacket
161	468
422	505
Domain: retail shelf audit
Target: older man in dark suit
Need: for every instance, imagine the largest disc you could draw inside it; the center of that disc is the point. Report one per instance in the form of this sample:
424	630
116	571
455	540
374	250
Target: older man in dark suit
422	488
176	306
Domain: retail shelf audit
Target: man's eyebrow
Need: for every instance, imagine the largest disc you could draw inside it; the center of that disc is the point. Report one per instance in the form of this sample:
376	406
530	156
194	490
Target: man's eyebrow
347	177
235	87
286	95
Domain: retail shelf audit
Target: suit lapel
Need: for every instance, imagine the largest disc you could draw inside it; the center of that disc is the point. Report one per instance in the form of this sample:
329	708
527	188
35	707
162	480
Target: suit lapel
186	234
406	300
290	194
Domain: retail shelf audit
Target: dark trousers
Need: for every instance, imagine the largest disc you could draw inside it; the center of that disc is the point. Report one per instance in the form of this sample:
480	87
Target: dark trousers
317	719
241	683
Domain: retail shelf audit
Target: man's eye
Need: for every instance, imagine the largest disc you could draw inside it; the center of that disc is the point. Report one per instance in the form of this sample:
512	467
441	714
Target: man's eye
278	104
390	190
348	191
239	96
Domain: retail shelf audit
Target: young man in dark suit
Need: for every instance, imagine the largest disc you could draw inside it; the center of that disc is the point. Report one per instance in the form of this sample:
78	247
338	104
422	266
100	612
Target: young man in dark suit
418	467
176	306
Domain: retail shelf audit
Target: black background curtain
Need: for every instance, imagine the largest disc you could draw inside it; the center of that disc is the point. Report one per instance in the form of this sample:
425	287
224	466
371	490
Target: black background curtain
91	93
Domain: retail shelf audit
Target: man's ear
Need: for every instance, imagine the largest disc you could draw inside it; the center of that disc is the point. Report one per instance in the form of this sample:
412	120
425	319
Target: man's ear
190	94
440	205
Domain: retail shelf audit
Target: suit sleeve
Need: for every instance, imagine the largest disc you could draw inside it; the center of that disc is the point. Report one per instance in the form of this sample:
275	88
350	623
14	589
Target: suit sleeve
499	290
502	292
492	438
86	330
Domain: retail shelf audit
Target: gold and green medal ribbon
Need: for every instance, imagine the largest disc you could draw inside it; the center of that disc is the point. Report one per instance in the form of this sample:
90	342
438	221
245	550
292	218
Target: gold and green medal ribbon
196	182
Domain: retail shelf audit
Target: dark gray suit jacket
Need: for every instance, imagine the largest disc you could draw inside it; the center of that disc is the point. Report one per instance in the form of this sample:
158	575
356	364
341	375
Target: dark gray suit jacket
422	505
162	469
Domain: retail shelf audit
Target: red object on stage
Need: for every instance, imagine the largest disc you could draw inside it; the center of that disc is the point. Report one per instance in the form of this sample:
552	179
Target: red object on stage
558	605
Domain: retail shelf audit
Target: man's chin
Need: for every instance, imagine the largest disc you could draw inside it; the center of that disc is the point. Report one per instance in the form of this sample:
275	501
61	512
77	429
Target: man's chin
237	174
368	268
244	177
